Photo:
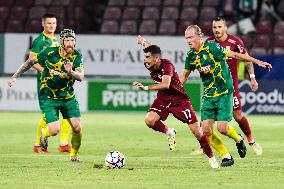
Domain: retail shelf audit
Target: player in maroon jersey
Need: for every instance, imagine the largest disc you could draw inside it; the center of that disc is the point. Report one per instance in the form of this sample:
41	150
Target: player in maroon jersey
171	98
234	43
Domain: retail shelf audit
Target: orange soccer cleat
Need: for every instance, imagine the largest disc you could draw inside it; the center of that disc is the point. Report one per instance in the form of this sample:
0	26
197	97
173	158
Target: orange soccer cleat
65	148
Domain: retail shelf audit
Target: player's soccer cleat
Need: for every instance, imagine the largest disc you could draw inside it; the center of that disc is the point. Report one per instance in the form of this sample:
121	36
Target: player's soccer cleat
242	150
75	159
227	162
37	149
213	163
43	142
197	152
256	148
65	148
172	140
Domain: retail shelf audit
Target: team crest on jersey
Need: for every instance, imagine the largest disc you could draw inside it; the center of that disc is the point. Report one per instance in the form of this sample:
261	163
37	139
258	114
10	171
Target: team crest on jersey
232	41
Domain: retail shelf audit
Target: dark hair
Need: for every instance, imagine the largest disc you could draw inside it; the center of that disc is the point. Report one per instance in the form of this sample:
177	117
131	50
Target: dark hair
153	49
219	18
48	15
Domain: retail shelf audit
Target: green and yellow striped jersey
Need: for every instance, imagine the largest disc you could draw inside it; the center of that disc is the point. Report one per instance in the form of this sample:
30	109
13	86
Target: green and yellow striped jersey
218	79
55	82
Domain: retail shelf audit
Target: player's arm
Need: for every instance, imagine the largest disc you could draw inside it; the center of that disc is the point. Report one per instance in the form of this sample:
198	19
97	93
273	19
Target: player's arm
184	76
22	69
142	41
253	82
165	84
36	66
248	58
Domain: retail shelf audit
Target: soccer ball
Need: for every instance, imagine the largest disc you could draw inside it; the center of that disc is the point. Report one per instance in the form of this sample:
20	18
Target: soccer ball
114	159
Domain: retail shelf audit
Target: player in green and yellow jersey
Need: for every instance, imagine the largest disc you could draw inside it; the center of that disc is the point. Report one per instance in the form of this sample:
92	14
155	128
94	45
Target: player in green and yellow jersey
47	39
209	59
63	65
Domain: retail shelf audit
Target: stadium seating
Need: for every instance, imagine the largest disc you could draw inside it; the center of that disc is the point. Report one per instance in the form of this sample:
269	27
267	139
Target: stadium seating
131	13
278	40
183	25
262	41
128	27
279	28
207	13
248	41
170	13
18	13
175	3
24	3
119	3
190	3
210	3
37	12
33	26
4	12
109	27
258	51
15	26
2	25
6	3
167	27
151	13
278	51
134	3
264	27
42	2
189	13
112	13
148	27
151	2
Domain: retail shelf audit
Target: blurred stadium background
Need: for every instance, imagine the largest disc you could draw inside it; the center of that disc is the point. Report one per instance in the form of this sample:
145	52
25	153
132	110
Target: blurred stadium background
106	37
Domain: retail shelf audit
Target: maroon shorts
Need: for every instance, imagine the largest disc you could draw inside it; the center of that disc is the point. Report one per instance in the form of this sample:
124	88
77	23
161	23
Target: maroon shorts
182	110
237	101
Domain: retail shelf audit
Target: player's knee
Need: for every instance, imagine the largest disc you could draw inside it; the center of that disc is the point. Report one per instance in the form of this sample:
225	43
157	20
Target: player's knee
54	131
223	130
207	132
77	128
150	122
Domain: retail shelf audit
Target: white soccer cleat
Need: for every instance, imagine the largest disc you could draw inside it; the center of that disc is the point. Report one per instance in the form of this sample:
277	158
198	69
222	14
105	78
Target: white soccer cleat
214	163
256	148
172	139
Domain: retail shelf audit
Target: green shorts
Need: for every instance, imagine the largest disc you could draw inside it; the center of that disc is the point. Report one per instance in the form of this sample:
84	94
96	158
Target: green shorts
218	108
68	108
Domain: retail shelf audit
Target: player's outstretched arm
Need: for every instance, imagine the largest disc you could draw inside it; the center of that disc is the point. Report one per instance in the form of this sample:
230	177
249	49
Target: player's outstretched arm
142	41
22	69
253	82
184	76
248	58
36	66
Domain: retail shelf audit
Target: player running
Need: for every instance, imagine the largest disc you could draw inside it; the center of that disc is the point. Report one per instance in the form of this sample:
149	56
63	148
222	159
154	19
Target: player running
171	98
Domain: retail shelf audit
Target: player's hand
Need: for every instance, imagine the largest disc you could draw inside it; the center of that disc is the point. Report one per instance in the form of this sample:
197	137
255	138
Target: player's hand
265	65
140	40
254	84
68	66
138	85
11	81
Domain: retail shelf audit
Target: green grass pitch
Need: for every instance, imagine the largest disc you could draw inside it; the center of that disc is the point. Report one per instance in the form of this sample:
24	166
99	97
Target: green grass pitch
149	162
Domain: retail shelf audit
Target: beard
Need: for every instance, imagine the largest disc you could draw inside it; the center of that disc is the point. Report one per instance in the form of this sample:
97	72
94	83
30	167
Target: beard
69	49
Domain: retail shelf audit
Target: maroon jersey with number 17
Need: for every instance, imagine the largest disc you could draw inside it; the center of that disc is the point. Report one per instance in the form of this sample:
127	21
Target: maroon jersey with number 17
235	44
176	92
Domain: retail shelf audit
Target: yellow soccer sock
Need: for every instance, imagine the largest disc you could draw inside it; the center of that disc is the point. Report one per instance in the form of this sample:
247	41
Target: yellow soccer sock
41	124
76	143
217	143
46	133
65	131
233	134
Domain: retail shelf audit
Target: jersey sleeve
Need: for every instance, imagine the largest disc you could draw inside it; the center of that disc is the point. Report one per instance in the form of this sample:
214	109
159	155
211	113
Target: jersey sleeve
78	62
219	53
168	69
42	55
188	66
36	46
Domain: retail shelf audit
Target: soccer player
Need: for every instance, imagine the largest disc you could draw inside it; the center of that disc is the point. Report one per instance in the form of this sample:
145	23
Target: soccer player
209	59
63	65
47	39
171	98
234	43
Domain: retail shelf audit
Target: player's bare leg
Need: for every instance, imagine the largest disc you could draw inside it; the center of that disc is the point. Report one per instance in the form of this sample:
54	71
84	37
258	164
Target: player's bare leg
204	143
245	127
52	129
152	120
